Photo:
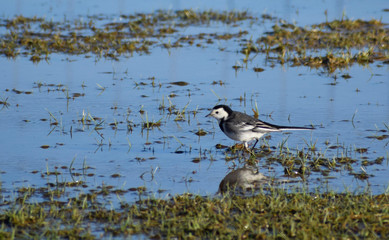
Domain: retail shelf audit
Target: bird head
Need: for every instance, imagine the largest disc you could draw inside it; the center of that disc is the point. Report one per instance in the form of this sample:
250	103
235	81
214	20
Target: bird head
220	112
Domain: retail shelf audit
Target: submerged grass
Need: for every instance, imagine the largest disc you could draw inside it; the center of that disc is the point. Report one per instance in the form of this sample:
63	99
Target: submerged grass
336	44
301	163
332	45
273	214
38	37
270	212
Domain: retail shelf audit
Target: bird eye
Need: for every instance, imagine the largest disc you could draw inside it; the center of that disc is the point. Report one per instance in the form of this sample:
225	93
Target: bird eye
217	112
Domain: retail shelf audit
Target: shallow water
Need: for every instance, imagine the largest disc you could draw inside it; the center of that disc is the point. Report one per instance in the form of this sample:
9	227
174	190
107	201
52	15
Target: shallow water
345	113
303	12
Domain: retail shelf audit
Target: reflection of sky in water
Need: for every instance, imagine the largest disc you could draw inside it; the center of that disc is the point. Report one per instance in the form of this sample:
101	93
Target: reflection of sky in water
304	96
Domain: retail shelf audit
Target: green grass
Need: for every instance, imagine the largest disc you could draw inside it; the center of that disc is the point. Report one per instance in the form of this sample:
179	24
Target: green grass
273	214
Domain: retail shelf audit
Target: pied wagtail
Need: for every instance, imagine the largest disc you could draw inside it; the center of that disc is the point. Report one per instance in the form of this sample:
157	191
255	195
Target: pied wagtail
242	127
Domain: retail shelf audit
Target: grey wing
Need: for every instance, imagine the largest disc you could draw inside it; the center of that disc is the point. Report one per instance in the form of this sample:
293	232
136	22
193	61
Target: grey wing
249	123
243	122
261	126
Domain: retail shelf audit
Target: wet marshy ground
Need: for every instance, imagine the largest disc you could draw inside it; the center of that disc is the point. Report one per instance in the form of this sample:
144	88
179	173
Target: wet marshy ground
103	124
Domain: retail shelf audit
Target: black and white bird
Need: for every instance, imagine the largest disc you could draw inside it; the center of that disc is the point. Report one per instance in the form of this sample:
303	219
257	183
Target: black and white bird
247	178
244	128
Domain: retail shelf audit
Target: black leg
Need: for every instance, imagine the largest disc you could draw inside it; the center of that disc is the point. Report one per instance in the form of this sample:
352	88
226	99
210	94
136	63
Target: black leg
254	145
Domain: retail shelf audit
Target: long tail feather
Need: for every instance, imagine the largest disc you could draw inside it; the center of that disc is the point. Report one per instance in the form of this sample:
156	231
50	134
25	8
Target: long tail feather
294	128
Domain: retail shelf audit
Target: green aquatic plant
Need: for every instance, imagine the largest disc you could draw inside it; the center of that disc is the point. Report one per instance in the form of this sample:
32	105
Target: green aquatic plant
150	124
271	214
331	45
338	38
138	33
4	102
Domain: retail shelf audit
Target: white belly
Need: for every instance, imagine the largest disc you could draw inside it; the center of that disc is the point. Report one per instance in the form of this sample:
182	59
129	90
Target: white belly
245	136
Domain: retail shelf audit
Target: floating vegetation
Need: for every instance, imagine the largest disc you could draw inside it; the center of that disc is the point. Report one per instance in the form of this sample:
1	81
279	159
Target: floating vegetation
300	163
380	137
335	44
332	45
151	124
4	102
258	69
179	83
38	37
201	132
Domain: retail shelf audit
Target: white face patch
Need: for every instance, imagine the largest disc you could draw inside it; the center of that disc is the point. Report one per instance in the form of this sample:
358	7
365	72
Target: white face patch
219	114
